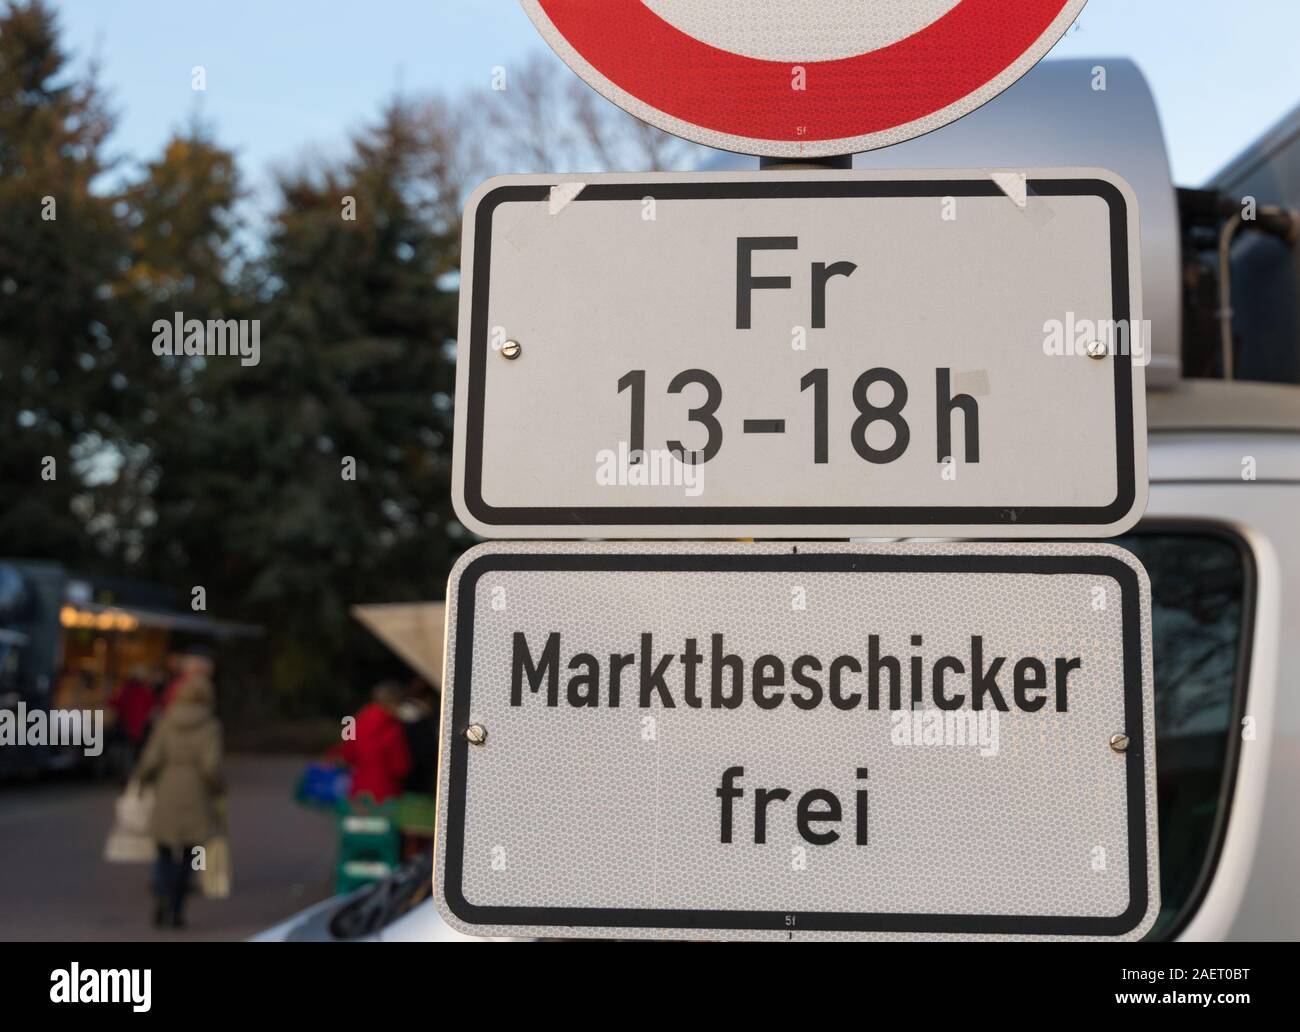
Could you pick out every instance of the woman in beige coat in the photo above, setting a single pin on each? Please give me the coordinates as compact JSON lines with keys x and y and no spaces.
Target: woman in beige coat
{"x":182,"y":759}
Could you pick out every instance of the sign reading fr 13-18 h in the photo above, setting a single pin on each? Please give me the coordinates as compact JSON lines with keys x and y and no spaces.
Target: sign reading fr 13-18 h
{"x":795,"y":354}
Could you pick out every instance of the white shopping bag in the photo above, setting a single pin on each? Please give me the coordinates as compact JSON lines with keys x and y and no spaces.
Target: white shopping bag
{"x":129,"y":841}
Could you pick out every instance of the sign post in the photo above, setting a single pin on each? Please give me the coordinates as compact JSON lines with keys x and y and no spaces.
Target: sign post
{"x":800,"y":738}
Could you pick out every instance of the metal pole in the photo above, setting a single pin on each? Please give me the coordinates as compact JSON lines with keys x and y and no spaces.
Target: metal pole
{"x":834,"y":161}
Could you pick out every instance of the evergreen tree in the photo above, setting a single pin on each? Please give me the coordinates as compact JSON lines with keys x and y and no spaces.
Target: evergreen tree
{"x":60,"y":249}
{"x":324,"y":471}
{"x":183,"y":257}
{"x":291,"y":489}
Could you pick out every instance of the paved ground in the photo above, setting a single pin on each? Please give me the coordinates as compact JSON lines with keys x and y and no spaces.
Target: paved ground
{"x":55,"y":885}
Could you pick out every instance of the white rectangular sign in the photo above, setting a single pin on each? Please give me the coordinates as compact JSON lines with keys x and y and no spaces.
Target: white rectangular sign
{"x":781,"y":354}
{"x":798,"y":741}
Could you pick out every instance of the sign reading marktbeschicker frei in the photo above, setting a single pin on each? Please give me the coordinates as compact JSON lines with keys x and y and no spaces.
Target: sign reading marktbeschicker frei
{"x":780,"y":741}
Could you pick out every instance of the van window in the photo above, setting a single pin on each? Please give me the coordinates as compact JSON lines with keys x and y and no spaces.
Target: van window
{"x":1200,"y":578}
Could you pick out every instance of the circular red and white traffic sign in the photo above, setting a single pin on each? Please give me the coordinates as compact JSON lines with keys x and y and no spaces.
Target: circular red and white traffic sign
{"x":783,"y":78}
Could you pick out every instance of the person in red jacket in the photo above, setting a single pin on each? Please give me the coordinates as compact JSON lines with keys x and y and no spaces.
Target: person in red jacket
{"x":378,"y":753}
{"x":134,"y":703}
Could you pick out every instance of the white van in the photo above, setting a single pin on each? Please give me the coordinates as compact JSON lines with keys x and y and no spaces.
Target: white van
{"x":1221,"y":537}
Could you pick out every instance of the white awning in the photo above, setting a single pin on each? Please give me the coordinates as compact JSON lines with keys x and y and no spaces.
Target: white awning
{"x":416,"y":631}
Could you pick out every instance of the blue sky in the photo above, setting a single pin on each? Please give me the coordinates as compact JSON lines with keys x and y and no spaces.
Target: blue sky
{"x":285,"y":76}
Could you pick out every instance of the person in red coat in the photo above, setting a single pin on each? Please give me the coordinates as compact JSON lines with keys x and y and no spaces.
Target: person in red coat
{"x":134,"y":704}
{"x":378,"y":753}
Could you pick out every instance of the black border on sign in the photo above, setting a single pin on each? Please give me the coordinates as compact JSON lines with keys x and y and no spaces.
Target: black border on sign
{"x":808,"y":515}
{"x":776,"y":920}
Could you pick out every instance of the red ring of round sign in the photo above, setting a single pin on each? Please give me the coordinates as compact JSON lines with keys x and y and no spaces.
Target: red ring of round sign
{"x":729,"y":73}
